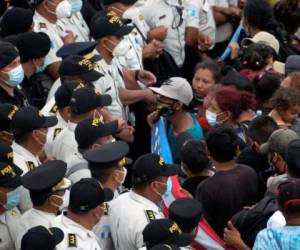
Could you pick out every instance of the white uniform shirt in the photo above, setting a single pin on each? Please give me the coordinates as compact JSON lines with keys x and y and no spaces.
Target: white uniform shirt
{"x":8,"y":228}
{"x":77,"y":168}
{"x":200,"y":15}
{"x":33,"y":218}
{"x":166,"y":14}
{"x":128,"y":216}
{"x":53,"y":89}
{"x":65,"y":145}
{"x":77,"y":25}
{"x":54,"y":31}
{"x":224,"y":31}
{"x":53,"y":132}
{"x":75,"y":235}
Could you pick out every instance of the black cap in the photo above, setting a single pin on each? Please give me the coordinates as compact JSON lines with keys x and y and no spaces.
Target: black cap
{"x":108,"y":155}
{"x":89,"y":130}
{"x":126,"y":2}
{"x":32,"y":45}
{"x":8,"y":53}
{"x":10,"y":175}
{"x":164,"y":247}
{"x":84,"y":49}
{"x":87,"y":194}
{"x":29,"y":118}
{"x":79,"y":66}
{"x":15,"y":21}
{"x":292,"y":64}
{"x":288,"y":195}
{"x":106,"y":23}
{"x":49,"y":175}
{"x":186,"y":212}
{"x":150,"y":166}
{"x":39,"y":237}
{"x":165,"y":231}
{"x":64,"y":93}
{"x":7,"y":113}
{"x":87,"y":99}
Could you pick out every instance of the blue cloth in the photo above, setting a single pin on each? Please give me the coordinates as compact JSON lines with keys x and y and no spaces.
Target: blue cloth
{"x":279,"y":238}
{"x":195,"y":131}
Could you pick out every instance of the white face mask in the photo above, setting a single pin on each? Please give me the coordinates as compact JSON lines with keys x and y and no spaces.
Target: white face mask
{"x":124,"y":175}
{"x":121,"y":49}
{"x":63,"y":10}
{"x":65,"y":200}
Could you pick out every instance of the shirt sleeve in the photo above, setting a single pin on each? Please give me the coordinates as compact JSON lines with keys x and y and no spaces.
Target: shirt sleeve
{"x":192,"y":13}
{"x":261,"y":241}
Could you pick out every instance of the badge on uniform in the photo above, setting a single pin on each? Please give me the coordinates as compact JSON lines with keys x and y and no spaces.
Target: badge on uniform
{"x":30,"y":165}
{"x":72,"y":240}
{"x":54,"y":109}
{"x":150,"y":215}
{"x":106,"y":207}
{"x":162,"y":17}
{"x":42,"y":26}
{"x":56,"y":132}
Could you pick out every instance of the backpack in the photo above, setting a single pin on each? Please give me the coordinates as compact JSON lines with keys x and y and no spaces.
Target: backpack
{"x":250,"y":221}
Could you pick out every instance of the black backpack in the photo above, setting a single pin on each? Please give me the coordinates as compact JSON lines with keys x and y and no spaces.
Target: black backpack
{"x":250,"y":221}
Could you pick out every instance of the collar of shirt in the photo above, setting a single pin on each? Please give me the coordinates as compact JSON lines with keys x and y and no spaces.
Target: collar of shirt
{"x":20,"y":150}
{"x":142,"y":200}
{"x":71,"y":126}
{"x":82,"y":232}
{"x":2,"y":218}
{"x":60,"y":121}
{"x":47,"y":216}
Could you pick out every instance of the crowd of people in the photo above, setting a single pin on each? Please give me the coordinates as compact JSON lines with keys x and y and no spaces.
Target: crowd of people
{"x":83,"y":83}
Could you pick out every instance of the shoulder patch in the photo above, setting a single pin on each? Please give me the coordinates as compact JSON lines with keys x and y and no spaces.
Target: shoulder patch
{"x":30,"y":165}
{"x":106,"y":207}
{"x":72,"y":240}
{"x":42,"y":26}
{"x":54,"y":109}
{"x":162,"y":17}
{"x":150,"y":215}
{"x":56,"y":132}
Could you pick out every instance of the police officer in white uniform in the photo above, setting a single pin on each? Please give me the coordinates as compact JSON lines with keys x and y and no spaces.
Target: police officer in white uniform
{"x":170,"y":14}
{"x":9,"y":198}
{"x":140,"y":205}
{"x":108,"y":165}
{"x":86,"y":208}
{"x":29,"y":127}
{"x":47,"y":187}
{"x":89,"y":133}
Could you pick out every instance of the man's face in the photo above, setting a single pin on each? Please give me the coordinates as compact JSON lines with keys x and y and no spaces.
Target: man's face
{"x":4,"y":71}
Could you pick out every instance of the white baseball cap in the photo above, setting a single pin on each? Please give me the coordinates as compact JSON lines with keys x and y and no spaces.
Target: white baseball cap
{"x":265,"y":38}
{"x":176,"y":88}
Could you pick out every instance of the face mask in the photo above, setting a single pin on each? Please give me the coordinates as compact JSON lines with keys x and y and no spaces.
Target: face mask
{"x":124,"y":172}
{"x":44,"y":135}
{"x":16,"y":76}
{"x":211,"y":118}
{"x":121,"y":49}
{"x":62,"y":10}
{"x":165,"y":110}
{"x":65,"y":200}
{"x":76,"y":6}
{"x":43,"y":67}
{"x":12,"y":199}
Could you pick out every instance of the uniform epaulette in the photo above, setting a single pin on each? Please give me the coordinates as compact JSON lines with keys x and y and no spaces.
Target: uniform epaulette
{"x":30,"y":165}
{"x":150,"y":215}
{"x":56,"y":132}
{"x":72,"y":240}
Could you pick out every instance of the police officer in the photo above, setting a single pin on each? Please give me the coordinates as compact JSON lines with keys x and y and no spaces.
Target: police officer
{"x":89,"y":133}
{"x":29,"y":127}
{"x":47,"y":187}
{"x":85,"y":209}
{"x":7,"y":112}
{"x":45,"y":18}
{"x":9,"y":198}
{"x":11,"y":75}
{"x":33,"y":48}
{"x":84,"y":104}
{"x":139,"y":206}
{"x":165,"y":231}
{"x":107,"y":164}
{"x":39,"y":237}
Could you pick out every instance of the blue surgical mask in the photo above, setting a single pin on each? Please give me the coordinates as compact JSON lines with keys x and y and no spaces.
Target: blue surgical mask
{"x":76,"y":6}
{"x":211,"y":118}
{"x":16,"y":76}
{"x":12,"y":199}
{"x":43,"y":67}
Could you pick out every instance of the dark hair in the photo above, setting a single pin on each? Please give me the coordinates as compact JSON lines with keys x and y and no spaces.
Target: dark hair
{"x":222,"y":143}
{"x":288,"y":196}
{"x":285,"y":98}
{"x":287,"y":13}
{"x":266,"y":86}
{"x":193,"y":154}
{"x":101,"y":174}
{"x":212,"y":66}
{"x":255,"y":56}
{"x":292,"y":160}
{"x":38,"y":198}
{"x":261,"y":128}
{"x":295,"y":80}
{"x":259,"y":14}
{"x":233,"y":78}
{"x":235,"y":101}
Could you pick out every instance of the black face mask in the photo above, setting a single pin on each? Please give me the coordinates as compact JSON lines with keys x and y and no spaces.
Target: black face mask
{"x":165,"y":110}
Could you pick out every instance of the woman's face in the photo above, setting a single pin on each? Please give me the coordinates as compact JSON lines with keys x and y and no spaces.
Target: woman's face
{"x":222,"y":115}
{"x":290,"y":115}
{"x":202,"y":81}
